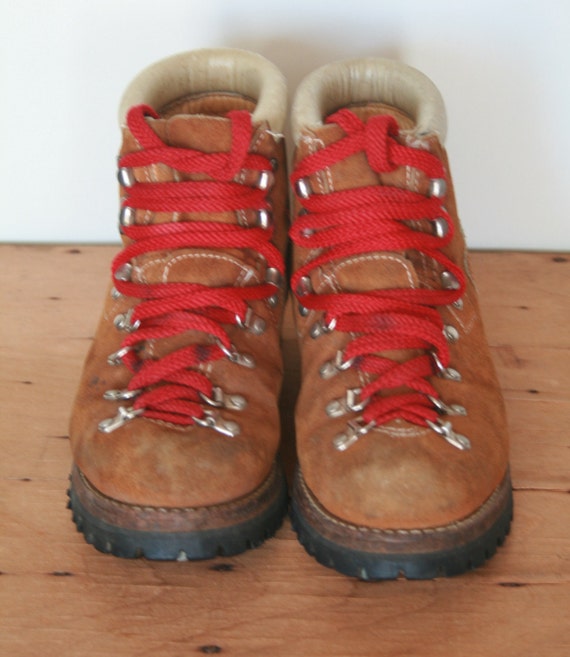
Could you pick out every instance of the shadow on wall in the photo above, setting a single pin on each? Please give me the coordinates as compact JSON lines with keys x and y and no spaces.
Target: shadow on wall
{"x":309,"y":54}
{"x":297,"y":58}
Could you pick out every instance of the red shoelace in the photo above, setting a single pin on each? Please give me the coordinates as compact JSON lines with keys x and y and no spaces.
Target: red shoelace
{"x":171,"y":388}
{"x":342,"y":224}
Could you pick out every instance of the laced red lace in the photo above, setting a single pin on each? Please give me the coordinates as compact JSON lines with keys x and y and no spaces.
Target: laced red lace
{"x":367,"y":219}
{"x":171,"y":388}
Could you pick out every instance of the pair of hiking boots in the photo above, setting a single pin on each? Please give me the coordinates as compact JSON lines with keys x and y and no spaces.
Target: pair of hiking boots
{"x":400,"y":426}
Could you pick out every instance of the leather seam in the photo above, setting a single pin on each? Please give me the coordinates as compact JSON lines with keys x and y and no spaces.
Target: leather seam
{"x":451,"y":528}
{"x":238,"y":503}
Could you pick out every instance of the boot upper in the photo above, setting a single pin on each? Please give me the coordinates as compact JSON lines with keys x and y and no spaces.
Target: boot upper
{"x":430,"y":446}
{"x":194,"y":309}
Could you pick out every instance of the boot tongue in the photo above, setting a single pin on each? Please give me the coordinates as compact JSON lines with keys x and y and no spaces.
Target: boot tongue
{"x":219,"y":267}
{"x":367,"y":271}
{"x":209,"y":134}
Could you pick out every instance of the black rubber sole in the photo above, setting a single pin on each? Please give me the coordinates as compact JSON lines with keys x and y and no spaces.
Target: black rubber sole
{"x":179,"y":545}
{"x":375,"y":566}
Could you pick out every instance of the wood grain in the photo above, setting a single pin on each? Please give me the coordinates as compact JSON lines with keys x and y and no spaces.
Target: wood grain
{"x":59,"y":597}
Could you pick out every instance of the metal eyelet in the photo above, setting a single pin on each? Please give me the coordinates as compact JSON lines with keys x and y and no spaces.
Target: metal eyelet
{"x":126,"y":176}
{"x":273,"y":277}
{"x":445,"y":430}
{"x":445,"y":372}
{"x":437,"y":187}
{"x":302,"y":310}
{"x":450,"y":333}
{"x":213,"y":420}
{"x":127,"y":216}
{"x":351,"y":403}
{"x":354,"y":431}
{"x":123,"y":416}
{"x":303,"y":188}
{"x":251,"y":322}
{"x":447,"y":409}
{"x":449,"y":281}
{"x":124,"y":273}
{"x":336,"y":408}
{"x":304,"y":286}
{"x":265,"y":180}
{"x":124,"y":321}
{"x":440,"y":227}
{"x":320,"y":328}
{"x":121,"y":395}
{"x":235,"y":357}
{"x":264,"y":219}
{"x":116,"y":358}
{"x":115,"y":294}
{"x":220,"y":399}
{"x":333,"y":367}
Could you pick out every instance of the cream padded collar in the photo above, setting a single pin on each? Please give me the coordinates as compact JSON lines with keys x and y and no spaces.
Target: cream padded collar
{"x":219,"y":69}
{"x":371,"y":79}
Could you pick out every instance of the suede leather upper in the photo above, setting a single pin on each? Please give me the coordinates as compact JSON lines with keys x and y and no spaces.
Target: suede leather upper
{"x":148,"y":462}
{"x":399,"y":475}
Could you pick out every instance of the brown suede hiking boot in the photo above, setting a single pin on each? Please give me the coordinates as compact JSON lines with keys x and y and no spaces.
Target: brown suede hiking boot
{"x":175,"y":427}
{"x":401,"y":430}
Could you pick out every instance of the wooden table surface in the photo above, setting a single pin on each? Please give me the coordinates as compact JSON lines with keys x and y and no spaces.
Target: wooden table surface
{"x":59,"y":597}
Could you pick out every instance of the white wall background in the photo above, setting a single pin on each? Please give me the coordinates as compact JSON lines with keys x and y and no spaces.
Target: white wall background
{"x":503,"y":67}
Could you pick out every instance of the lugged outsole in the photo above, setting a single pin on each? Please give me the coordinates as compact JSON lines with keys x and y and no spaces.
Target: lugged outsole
{"x":193,"y":545}
{"x":373,"y":566}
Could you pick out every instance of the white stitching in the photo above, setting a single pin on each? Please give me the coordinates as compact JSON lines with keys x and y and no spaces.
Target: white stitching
{"x":379,"y":256}
{"x":234,"y":261}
